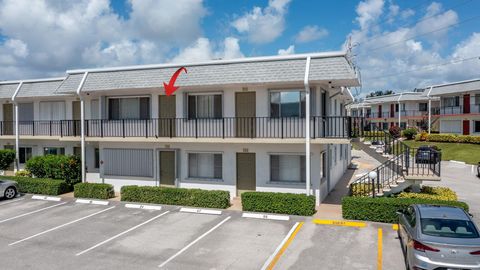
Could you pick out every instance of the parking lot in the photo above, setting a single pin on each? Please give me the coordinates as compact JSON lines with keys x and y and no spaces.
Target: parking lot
{"x":65,"y":234}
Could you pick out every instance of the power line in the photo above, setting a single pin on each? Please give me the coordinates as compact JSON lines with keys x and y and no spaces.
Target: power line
{"x":428,"y":67}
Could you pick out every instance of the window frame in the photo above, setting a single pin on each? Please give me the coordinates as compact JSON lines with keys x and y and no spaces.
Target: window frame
{"x":62,"y":150}
{"x":302,"y":104}
{"x":201,"y":178}
{"x":299,"y":181}
{"x":25,"y":155}
{"x":456,"y":102}
{"x":475,"y":126}
{"x":213,"y":94}
{"x":149,"y":116}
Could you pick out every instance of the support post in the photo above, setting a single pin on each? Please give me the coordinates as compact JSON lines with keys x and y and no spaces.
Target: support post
{"x":307,"y":127}
{"x":82,"y":125}
{"x":429,"y":115}
{"x":399,"y":114}
{"x":17,"y":135}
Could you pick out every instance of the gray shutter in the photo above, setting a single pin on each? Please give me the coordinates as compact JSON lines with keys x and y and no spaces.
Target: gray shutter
{"x":302,"y":169}
{"x":113,"y":109}
{"x":192,"y":108}
{"x":25,"y":111}
{"x":128,"y":162}
{"x":274,"y":168}
{"x":217,"y":106}
{"x":217,"y":167}
{"x":145,"y":108}
{"x":192,"y":165}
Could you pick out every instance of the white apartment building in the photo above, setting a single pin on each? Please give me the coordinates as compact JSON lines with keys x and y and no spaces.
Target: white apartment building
{"x":233,"y":125}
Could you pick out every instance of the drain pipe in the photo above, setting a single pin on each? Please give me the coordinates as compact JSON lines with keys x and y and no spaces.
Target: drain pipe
{"x":307,"y":127}
{"x":17,"y":135}
{"x":399,"y":110}
{"x":82,"y":124}
{"x":429,"y":110}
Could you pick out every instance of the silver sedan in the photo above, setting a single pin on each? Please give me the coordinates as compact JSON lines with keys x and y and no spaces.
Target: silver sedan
{"x":439,"y":237}
{"x":8,"y":189}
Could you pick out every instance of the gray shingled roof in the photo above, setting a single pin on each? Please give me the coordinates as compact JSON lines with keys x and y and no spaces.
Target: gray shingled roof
{"x":265,"y":71}
{"x":455,"y":88}
{"x":407,"y":96}
{"x":7,"y":90}
{"x":39,"y":88}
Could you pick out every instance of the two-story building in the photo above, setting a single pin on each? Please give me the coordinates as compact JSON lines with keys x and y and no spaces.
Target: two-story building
{"x":266,"y":123}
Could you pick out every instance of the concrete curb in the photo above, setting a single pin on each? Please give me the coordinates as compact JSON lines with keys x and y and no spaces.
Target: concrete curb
{"x":87,"y":201}
{"x":200,"y":211}
{"x":265,"y":216}
{"x":46,"y":198}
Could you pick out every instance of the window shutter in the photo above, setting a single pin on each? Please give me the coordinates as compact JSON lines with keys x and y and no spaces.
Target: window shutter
{"x":217,"y":106}
{"x":302,"y":169}
{"x":191,"y":107}
{"x":275,"y":104}
{"x":192,"y":164}
{"x":274,"y":168}
{"x":113,"y":109}
{"x":217,"y":167}
{"x":144,"y":108}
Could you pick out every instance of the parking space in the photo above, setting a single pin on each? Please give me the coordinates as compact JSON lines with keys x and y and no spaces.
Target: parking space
{"x":40,"y":234}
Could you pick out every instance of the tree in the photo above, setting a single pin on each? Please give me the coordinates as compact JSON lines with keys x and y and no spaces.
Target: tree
{"x":6,"y":158}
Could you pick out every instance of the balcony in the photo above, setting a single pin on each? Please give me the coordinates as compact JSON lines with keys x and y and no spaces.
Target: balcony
{"x":227,"y":127}
{"x":473,"y":108}
{"x":405,"y":113}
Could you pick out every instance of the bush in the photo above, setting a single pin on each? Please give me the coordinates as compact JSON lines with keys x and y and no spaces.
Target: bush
{"x":93,"y":190}
{"x":176,"y":196}
{"x":395,"y":131}
{"x":384,"y":209}
{"x":450,"y":138}
{"x":23,"y":173}
{"x":39,"y":185}
{"x":282,"y":203}
{"x":7,"y":156}
{"x":63,"y":167}
{"x":433,"y":193}
{"x":410,"y":133}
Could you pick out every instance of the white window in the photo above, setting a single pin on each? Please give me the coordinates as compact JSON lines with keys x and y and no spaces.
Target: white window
{"x":287,"y":104}
{"x":52,"y":110}
{"x":205,"y":165}
{"x":287,"y":168}
{"x":53,"y":151}
{"x":451,"y":101}
{"x":204,"y":106}
{"x":129,"y":108}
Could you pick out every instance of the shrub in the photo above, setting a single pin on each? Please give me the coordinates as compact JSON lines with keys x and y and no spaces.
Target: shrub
{"x":93,"y":190}
{"x":7,"y":156}
{"x":39,"y":185}
{"x":282,"y":203}
{"x":433,"y":193}
{"x":23,"y":173}
{"x":63,"y":167}
{"x":384,"y":209}
{"x":395,"y":131}
{"x":410,"y":133}
{"x":176,"y":196}
{"x":450,"y":138}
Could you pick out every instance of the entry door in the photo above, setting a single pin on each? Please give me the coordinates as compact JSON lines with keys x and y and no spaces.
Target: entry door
{"x":166,"y":114}
{"x":7,"y":119}
{"x":245,"y":112}
{"x":466,"y":127}
{"x":392,"y":110}
{"x":246,"y":172}
{"x":379,"y":111}
{"x":76,"y":116}
{"x":466,"y":103}
{"x":167,"y":168}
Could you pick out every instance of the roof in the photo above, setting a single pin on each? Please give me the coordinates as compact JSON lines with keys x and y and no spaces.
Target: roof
{"x":7,"y":89}
{"x":454,"y":87}
{"x":40,"y":88}
{"x":444,"y":212}
{"x":400,"y":97}
{"x":324,"y":67}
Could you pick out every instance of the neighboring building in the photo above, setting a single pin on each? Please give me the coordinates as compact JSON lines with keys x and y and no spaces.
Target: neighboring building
{"x":233,"y":125}
{"x":459,"y":106}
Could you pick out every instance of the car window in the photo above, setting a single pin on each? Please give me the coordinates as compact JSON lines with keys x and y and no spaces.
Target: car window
{"x":449,"y":228}
{"x":410,"y":216}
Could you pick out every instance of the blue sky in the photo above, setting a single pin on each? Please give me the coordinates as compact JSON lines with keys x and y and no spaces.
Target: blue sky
{"x":400,"y":45}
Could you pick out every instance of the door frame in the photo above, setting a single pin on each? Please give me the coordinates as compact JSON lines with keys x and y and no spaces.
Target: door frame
{"x":236,"y":171}
{"x":466,"y":127}
{"x":157,"y":165}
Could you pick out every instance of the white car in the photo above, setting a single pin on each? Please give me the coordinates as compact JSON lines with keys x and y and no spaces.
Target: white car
{"x":8,"y":189}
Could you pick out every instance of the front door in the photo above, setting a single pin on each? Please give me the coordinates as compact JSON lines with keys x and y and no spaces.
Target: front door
{"x":7,"y":119}
{"x":245,"y":112}
{"x":392,"y":110}
{"x":167,"y":168}
{"x":246,"y":172}
{"x":166,"y":114}
{"x":76,"y":116}
{"x":466,"y":103}
{"x":466,"y":127}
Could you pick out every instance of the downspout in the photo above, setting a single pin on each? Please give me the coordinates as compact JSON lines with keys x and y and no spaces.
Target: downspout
{"x":17,"y":135}
{"x":82,"y":124}
{"x":399,"y":110}
{"x":307,"y":126}
{"x":429,"y":110}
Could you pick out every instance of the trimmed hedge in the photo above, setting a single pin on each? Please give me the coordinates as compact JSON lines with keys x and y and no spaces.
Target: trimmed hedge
{"x":451,"y":138}
{"x":281,"y":203}
{"x":93,"y":190}
{"x":384,"y":209}
{"x":7,"y":156}
{"x":432,"y":193}
{"x":410,"y":133}
{"x":43,"y":186}
{"x":63,"y":167}
{"x":176,"y":196}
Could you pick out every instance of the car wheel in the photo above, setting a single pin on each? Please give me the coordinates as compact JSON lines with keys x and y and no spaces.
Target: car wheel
{"x":10,"y":193}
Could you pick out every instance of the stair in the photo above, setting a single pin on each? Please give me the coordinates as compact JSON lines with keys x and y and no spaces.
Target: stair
{"x":372,"y":150}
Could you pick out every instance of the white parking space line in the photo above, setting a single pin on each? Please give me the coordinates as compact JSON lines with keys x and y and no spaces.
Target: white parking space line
{"x":32,"y":212}
{"x":265,"y":216}
{"x":120,"y":234}
{"x":270,"y":261}
{"x":200,"y":211}
{"x":60,"y":226}
{"x":46,"y":198}
{"x":143,"y":206}
{"x":12,"y":201}
{"x":194,"y":241}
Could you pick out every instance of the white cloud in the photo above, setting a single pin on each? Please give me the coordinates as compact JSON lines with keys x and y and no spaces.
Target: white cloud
{"x":263,"y":25}
{"x":368,"y":11}
{"x":310,"y":33}
{"x":18,"y":47}
{"x":289,"y":50}
{"x":203,"y":49}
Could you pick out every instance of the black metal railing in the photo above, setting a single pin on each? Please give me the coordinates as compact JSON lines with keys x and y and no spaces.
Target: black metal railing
{"x":226,"y":127}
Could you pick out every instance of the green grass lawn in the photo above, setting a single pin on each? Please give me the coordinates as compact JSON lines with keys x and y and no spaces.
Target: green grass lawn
{"x":469,"y":153}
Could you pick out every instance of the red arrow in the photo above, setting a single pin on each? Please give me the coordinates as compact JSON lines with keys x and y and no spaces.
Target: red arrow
{"x":170,"y":87}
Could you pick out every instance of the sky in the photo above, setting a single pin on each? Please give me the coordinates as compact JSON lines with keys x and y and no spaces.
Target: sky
{"x":397,"y":45}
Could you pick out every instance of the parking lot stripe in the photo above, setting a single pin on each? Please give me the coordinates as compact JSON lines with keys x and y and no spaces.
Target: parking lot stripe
{"x":339,"y":223}
{"x":60,"y":226}
{"x":395,"y":227}
{"x":194,"y":241}
{"x":120,"y":234}
{"x":12,"y":201}
{"x":32,"y":212}
{"x":273,"y":259}
{"x":380,"y":249}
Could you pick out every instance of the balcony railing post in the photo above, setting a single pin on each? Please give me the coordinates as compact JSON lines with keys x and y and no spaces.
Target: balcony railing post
{"x":196,"y":127}
{"x":146,"y":128}
{"x":33,"y":128}
{"x":61,"y":128}
{"x":171,"y":127}
{"x":373,"y":187}
{"x":223,"y":127}
{"x":314,"y":127}
{"x":101,"y":128}
{"x":123,"y":128}
{"x":281,"y":126}
{"x":251,"y":127}
{"x":50,"y":128}
{"x":87,"y":129}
